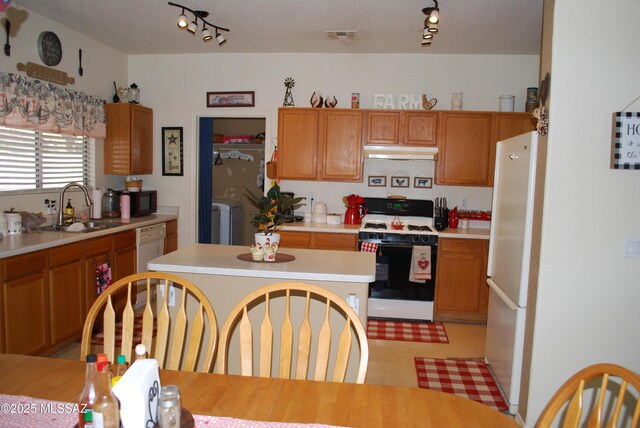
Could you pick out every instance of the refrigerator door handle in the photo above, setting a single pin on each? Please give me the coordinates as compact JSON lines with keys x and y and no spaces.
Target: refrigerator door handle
{"x":503,"y":296}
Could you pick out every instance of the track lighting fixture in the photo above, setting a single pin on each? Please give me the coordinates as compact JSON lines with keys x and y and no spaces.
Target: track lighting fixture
{"x":183,"y":23}
{"x":430,"y":23}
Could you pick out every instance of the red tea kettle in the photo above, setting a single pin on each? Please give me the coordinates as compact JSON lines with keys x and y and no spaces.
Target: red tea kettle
{"x":355,"y":209}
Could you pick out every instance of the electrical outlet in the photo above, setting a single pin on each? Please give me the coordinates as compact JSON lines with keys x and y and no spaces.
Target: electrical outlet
{"x":311,"y":201}
{"x":463,"y":203}
{"x":172,"y":295}
{"x":354,"y":302}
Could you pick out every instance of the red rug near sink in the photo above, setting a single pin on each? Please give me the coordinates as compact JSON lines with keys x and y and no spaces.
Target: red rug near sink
{"x":432,"y":332}
{"x":466,"y":378}
{"x":98,"y":337}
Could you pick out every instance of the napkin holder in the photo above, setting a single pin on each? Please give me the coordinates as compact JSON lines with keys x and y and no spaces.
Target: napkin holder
{"x":138,"y":391}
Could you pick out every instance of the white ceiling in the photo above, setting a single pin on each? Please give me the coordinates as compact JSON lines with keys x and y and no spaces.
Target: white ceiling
{"x":383,"y":26}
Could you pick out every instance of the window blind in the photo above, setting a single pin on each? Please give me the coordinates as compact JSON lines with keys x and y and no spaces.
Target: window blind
{"x":35,"y":160}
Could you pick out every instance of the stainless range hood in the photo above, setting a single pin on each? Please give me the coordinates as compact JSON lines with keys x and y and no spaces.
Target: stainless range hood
{"x":400,"y":152}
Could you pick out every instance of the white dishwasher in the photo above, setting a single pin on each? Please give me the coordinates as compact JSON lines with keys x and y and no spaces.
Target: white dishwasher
{"x":150,"y":244}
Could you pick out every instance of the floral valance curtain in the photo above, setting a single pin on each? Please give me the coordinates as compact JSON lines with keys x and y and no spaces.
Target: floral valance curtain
{"x":42,"y":106}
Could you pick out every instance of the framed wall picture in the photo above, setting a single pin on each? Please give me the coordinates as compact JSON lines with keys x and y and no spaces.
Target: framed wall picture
{"x":172,"y":162}
{"x":377,"y":181}
{"x":423,"y":182}
{"x":231,"y":99}
{"x":399,"y":181}
{"x":625,"y":144}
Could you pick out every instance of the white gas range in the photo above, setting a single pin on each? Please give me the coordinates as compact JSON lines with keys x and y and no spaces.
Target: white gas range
{"x":394,"y":227}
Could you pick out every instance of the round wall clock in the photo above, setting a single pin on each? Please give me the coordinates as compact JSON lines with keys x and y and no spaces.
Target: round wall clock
{"x":49,"y":48}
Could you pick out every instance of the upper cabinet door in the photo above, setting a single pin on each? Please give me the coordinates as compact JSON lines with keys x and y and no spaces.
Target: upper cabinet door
{"x":420,"y":128}
{"x":128,"y":147}
{"x":383,"y":127}
{"x":297,"y":143}
{"x":340,"y":145}
{"x":465,"y":149}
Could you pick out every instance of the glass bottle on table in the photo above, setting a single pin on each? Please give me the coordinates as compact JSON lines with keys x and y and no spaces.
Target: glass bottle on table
{"x":88,"y":394}
{"x":106,"y":410}
{"x":121,"y":367}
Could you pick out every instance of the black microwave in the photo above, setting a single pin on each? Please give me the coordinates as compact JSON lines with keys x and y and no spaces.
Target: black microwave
{"x":143,"y":203}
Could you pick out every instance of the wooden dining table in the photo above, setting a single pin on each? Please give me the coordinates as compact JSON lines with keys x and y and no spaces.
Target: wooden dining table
{"x":267,"y":399}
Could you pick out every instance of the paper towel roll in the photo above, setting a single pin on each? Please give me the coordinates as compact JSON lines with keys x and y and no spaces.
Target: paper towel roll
{"x":96,"y":211}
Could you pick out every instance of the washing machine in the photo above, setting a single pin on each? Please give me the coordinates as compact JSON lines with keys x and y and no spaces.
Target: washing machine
{"x":230,"y":221}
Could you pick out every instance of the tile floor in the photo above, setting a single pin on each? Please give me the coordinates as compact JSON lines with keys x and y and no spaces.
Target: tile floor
{"x":390,"y":361}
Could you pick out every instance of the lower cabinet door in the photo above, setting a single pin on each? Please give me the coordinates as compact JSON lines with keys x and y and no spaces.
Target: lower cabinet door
{"x":66,"y":299}
{"x":26,"y":315}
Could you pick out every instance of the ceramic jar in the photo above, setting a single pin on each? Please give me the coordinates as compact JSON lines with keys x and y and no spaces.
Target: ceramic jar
{"x":14,"y":222}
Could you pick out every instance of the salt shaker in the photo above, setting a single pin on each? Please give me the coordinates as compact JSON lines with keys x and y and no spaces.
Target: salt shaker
{"x":169,"y":407}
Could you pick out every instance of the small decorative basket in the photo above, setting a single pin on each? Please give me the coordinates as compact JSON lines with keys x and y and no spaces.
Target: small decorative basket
{"x":133,"y":185}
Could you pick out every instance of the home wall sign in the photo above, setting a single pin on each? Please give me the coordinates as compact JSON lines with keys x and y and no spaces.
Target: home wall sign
{"x":625,"y":144}
{"x":45,"y":73}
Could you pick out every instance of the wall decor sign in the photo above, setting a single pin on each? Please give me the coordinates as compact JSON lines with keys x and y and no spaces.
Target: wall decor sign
{"x":423,"y":182}
{"x":399,"y":181}
{"x":377,"y":181}
{"x":625,"y":144}
{"x":172,"y":162}
{"x":231,"y":99}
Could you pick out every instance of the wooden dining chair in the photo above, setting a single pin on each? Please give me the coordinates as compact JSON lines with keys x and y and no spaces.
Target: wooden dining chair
{"x":198,"y":335}
{"x":299,"y":299}
{"x":614,"y":381}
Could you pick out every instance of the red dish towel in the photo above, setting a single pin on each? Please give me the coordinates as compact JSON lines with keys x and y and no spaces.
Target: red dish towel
{"x":369,"y":247}
{"x":420,"y":269}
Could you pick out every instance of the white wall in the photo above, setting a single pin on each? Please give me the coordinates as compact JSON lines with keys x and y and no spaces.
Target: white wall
{"x":101,"y":66}
{"x":175,"y":87}
{"x":588,"y":293}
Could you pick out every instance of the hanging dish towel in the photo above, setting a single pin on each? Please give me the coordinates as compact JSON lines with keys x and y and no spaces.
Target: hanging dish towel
{"x":369,"y":247}
{"x":103,"y":277}
{"x":420,"y":269}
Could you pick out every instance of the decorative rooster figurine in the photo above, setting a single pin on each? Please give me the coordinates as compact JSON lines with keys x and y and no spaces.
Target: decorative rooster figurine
{"x":330,"y":102}
{"x":428,"y":105}
{"x":316,"y":100}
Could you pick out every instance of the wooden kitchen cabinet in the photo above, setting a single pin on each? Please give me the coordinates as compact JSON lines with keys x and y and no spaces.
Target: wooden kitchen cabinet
{"x":411,"y":128}
{"x":171,"y":240}
{"x":461,"y":290}
{"x":319,"y":240}
{"x":25,"y":303}
{"x":318,"y":144}
{"x":2,"y":351}
{"x":128,"y":146}
{"x":66,"y":292}
{"x":96,"y":252}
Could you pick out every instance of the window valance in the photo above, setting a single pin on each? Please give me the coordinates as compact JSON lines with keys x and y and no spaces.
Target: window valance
{"x":42,"y":106}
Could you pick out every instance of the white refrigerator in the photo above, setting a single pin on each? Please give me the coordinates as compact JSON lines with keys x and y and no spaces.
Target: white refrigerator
{"x":509,"y":259}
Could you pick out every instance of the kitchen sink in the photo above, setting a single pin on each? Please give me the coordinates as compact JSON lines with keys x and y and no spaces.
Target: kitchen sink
{"x":89,"y":226}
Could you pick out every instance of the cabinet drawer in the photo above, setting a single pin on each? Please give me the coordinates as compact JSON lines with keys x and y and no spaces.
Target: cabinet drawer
{"x":336,"y":241}
{"x":124,"y":239}
{"x":98,"y":246}
{"x":295,"y":239}
{"x":461,"y":245}
{"x":23,"y":265}
{"x":65,"y":254}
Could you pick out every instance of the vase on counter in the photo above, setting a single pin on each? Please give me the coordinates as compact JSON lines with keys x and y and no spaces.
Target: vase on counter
{"x":456,"y":101}
{"x":269,"y":245}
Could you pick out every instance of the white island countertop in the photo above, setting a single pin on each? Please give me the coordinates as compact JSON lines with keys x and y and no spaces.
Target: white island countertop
{"x":319,"y":265}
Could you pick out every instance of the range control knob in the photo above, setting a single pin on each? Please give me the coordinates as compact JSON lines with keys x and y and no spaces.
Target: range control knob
{"x":415,"y":238}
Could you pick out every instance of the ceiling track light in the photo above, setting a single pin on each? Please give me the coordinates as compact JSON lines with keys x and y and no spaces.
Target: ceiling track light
{"x":183,"y":23}
{"x":430,"y":23}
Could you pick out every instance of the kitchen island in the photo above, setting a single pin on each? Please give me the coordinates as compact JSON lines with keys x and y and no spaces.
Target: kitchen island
{"x":225,"y":279}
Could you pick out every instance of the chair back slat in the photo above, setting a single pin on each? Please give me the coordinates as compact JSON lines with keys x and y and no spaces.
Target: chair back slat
{"x":611,"y":395}
{"x":240,"y":319}
{"x":179,"y":335}
{"x":109,"y":329}
{"x":127,"y":326}
{"x":195,"y":353}
{"x":324,"y":345}
{"x":197,"y":330}
{"x":344,"y":349}
{"x":246,"y":344}
{"x":147,"y":320}
{"x":286,"y":340}
{"x":304,"y":342}
{"x":266,"y":341}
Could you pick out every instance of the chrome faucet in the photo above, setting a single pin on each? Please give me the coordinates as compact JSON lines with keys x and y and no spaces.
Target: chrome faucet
{"x":60,"y":222}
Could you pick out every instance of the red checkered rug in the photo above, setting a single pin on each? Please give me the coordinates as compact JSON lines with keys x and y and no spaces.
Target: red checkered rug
{"x":98,"y":337}
{"x":466,"y":378}
{"x":432,"y":332}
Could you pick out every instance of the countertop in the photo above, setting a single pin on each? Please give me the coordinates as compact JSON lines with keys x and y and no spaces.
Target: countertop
{"x":471,"y":233}
{"x":13,"y":245}
{"x":319,"y":265}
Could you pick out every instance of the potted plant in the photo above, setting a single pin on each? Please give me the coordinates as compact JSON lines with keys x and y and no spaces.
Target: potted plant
{"x":272,"y":212}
